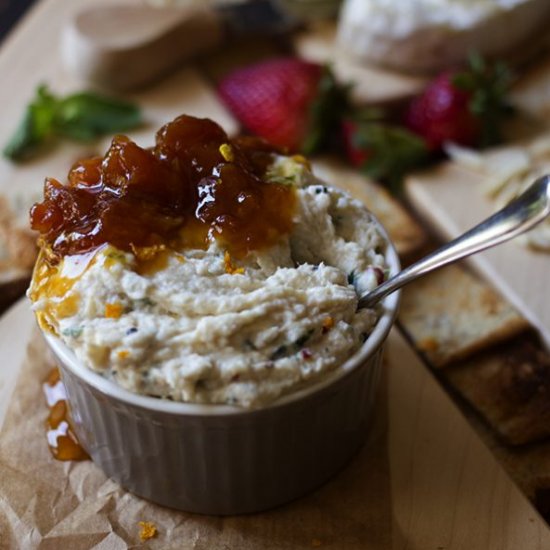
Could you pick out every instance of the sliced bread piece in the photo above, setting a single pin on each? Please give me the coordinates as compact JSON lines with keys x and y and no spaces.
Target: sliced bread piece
{"x":17,"y":254}
{"x":509,"y":385}
{"x":450,"y":314}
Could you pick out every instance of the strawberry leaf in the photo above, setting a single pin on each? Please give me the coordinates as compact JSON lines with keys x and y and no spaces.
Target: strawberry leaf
{"x":326,"y":112}
{"x":488,"y":85}
{"x":35,"y":128}
{"x":392,"y":152}
{"x":85,"y":116}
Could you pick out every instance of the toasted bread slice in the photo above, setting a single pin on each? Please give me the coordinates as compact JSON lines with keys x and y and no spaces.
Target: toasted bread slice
{"x":450,"y":314}
{"x":18,"y":243}
{"x":510,"y":386}
{"x":407,"y":235}
{"x":17,"y":254}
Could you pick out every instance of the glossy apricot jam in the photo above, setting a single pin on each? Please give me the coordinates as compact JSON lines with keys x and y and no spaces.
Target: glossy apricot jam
{"x":62,"y":440}
{"x":193,"y":186}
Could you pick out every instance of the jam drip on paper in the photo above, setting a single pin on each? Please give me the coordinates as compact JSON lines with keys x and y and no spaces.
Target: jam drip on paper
{"x":194,"y":185}
{"x":62,"y":440}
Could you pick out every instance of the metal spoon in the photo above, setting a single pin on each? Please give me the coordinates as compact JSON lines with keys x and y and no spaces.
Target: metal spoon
{"x":523,"y":213}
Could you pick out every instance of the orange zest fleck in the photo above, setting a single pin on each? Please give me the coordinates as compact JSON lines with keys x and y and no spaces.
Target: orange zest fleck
{"x":300,"y":159}
{"x":428,"y":344}
{"x":145,"y":253}
{"x":113,"y":311}
{"x":230,"y":267}
{"x":122,"y":354}
{"x":328,"y":323}
{"x":226,"y":152}
{"x":147,"y":530}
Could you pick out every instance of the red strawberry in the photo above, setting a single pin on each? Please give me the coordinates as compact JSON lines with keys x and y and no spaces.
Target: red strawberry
{"x":442,"y":114}
{"x":292,"y":103}
{"x":464,"y":107}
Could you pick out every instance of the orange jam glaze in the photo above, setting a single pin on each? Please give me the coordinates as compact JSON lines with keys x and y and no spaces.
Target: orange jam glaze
{"x":62,"y":440}
{"x":194,"y":185}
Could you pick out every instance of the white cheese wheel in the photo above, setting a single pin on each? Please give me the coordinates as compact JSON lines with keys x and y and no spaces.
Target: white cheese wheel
{"x":423,"y":36}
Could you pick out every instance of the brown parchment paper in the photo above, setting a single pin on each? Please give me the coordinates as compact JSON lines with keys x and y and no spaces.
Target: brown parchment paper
{"x":47,"y":504}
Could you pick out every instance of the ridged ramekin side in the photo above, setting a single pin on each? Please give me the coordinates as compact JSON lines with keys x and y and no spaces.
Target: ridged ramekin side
{"x":226,"y":464}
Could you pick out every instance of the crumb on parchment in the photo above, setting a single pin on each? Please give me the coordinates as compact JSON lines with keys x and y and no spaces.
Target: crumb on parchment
{"x":328,"y":323}
{"x":147,"y":530}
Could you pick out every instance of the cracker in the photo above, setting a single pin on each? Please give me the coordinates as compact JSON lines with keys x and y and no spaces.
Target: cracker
{"x":509,"y":385}
{"x":18,"y":243}
{"x":407,"y":235}
{"x":450,"y":314}
{"x":17,"y":255}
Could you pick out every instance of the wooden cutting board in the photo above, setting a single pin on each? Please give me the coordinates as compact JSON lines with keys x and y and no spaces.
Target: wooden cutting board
{"x":443,"y":479}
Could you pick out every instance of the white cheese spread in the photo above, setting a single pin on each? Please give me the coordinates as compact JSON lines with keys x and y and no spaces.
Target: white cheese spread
{"x":208,"y":328}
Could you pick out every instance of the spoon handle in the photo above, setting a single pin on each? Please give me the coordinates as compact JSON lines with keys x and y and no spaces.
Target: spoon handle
{"x":523,"y":213}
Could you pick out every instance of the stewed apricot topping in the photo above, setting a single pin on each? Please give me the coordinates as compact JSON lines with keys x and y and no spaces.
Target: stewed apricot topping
{"x":194,"y":185}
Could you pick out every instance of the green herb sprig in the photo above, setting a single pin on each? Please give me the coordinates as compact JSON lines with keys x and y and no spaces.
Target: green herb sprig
{"x":83,"y":116}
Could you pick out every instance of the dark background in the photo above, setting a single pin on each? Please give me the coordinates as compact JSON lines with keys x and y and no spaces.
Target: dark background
{"x":10,"y":12}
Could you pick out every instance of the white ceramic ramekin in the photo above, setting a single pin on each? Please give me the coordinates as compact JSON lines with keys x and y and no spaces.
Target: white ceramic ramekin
{"x":215,"y":459}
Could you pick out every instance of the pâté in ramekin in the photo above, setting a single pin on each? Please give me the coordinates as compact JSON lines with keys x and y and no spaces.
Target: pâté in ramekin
{"x":201,"y":298}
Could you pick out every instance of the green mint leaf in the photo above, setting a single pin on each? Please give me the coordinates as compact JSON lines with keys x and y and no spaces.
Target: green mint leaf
{"x":35,"y":128}
{"x":24,"y":140}
{"x":85,"y":116}
{"x":82,"y":116}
